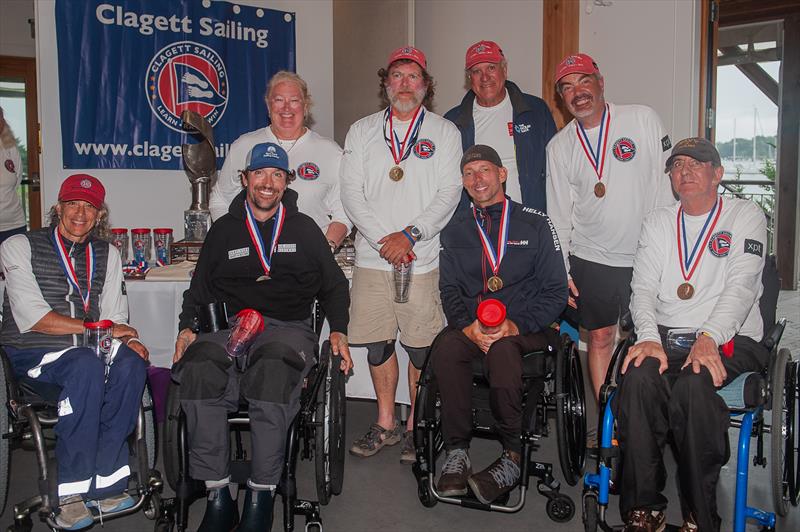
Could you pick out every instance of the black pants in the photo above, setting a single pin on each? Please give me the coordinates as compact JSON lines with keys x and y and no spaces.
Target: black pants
{"x":452,"y":358}
{"x":649,"y":407}
{"x":211,"y":388}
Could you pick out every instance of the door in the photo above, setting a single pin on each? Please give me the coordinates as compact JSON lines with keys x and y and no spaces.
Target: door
{"x":18,"y":99}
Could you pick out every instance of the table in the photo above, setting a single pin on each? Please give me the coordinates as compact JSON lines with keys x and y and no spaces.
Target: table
{"x":154,"y":307}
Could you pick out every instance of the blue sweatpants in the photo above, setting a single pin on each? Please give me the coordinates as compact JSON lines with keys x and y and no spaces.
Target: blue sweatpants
{"x":95,"y":416}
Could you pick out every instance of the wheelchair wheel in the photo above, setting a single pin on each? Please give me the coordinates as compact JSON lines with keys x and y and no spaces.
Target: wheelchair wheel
{"x":169,"y":437}
{"x":5,"y":442}
{"x":329,"y":422}
{"x":591,"y":512}
{"x":560,"y":509}
{"x":782,"y":439}
{"x":570,"y":412}
{"x":796,"y":432}
{"x":149,"y":432}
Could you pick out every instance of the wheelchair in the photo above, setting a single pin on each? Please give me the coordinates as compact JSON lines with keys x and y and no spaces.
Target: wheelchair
{"x":317,"y":432}
{"x":552,"y":384}
{"x":29,"y":408}
{"x":775,"y":389}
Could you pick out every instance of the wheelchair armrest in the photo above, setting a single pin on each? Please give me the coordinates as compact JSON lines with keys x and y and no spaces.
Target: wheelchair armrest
{"x":774,"y":334}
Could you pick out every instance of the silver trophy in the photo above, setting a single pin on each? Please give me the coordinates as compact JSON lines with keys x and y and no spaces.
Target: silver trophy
{"x":200,"y":163}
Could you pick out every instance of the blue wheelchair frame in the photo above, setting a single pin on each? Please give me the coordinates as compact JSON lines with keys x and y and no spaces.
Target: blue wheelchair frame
{"x":599,"y":484}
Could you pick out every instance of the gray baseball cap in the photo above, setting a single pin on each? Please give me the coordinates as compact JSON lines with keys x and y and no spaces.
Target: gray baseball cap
{"x":697,"y":148}
{"x":480,"y":152}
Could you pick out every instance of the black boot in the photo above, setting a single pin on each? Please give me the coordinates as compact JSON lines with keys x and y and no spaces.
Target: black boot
{"x":222,"y":512}
{"x":257,"y":512}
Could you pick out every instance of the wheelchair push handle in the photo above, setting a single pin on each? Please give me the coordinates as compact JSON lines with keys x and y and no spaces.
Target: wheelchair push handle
{"x":491,"y":313}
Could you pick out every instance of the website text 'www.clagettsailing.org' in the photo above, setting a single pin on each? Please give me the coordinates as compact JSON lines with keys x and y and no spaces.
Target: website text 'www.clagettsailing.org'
{"x":145,"y":149}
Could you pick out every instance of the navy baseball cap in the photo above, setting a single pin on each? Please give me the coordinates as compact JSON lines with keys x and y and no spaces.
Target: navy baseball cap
{"x":267,"y":155}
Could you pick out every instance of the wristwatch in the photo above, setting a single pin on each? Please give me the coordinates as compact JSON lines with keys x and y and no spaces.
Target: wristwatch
{"x":415,"y":232}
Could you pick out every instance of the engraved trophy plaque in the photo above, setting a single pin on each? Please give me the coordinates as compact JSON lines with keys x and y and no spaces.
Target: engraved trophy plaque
{"x":200,"y":164}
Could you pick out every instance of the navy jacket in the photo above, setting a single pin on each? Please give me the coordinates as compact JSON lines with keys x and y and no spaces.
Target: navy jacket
{"x":533,"y":129}
{"x":534,"y":280}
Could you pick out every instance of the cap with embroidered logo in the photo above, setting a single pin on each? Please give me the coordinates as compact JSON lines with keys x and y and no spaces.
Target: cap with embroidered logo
{"x":411,"y":53}
{"x":267,"y":155}
{"x":83,"y":187}
{"x":697,"y":148}
{"x":576,"y":64}
{"x":483,"y":52}
{"x":480,"y":152}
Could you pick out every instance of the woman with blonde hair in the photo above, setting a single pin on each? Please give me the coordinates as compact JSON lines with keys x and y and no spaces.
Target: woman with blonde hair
{"x":12,"y":217}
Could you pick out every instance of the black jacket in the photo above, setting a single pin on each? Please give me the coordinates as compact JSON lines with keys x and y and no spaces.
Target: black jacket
{"x":533,"y":129}
{"x":534,"y":281}
{"x":303,"y":268}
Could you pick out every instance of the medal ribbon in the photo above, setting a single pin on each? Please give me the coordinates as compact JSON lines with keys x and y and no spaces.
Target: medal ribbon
{"x":258,"y":242}
{"x":688,"y":261}
{"x":495,"y":258}
{"x":597,"y":158}
{"x":69,"y":270}
{"x":401,"y":150}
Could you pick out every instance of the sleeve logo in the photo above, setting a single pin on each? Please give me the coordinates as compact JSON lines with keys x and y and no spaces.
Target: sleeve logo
{"x":754,"y":247}
{"x":665,"y":143}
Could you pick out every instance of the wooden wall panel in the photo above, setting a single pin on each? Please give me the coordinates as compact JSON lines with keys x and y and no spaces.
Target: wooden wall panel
{"x":559,"y":39}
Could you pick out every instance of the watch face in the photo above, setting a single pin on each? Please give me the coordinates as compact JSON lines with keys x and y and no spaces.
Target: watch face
{"x":415,"y":232}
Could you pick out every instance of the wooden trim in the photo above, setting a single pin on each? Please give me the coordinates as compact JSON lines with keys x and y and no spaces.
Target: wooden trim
{"x":24,"y":68}
{"x":788,"y":159}
{"x":709,"y":31}
{"x":735,"y":12}
{"x":559,"y":39}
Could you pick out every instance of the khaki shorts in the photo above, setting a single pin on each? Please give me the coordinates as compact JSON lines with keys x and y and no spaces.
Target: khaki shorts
{"x":375,"y":317}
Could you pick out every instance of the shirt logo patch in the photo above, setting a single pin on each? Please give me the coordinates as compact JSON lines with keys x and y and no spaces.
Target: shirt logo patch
{"x":624,"y":149}
{"x":754,"y":247}
{"x":9,"y":164}
{"x":720,"y":244}
{"x":516,"y":242}
{"x":64,"y":407}
{"x":287,"y":248}
{"x":522,"y":128}
{"x":511,"y":129}
{"x":308,"y":171}
{"x":237,"y":253}
{"x":424,"y":148}
{"x":665,"y":143}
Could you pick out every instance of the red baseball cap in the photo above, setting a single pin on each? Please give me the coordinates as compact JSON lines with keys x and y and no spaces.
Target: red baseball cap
{"x":576,"y":64}
{"x":409,"y":52}
{"x":483,"y":52}
{"x":83,"y":187}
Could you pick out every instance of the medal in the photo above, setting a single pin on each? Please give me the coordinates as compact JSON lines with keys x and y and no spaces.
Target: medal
{"x":494,"y":283}
{"x":596,"y":156}
{"x":69,"y":270}
{"x":685,"y":291}
{"x":401,"y":150}
{"x":689,"y":261}
{"x":396,"y":173}
{"x":264,"y":256}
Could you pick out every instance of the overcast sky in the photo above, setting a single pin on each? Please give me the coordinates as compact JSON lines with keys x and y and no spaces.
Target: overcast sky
{"x":736,"y":98}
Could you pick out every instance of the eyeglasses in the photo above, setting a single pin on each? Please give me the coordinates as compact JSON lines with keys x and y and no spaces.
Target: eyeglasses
{"x":691,"y":164}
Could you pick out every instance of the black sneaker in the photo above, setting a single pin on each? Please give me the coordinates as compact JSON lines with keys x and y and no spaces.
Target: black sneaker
{"x":496,"y":480}
{"x":455,"y":472}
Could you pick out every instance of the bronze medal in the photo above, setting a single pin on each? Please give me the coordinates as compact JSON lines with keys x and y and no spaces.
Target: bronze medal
{"x":396,"y":173}
{"x":599,"y":190}
{"x":494,"y":283}
{"x":685,"y":291}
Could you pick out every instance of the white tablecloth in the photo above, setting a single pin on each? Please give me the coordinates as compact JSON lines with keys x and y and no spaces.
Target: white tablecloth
{"x":154,"y":308}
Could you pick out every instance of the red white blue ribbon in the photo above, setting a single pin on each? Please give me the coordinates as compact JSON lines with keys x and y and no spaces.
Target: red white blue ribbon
{"x":494,"y":257}
{"x":597,"y":157}
{"x":264,"y":254}
{"x":69,"y":270}
{"x":401,"y":150}
{"x":689,"y":261}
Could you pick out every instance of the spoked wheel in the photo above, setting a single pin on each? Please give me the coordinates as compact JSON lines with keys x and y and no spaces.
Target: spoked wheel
{"x":796,"y":433}
{"x":560,"y":509}
{"x":169,"y":436}
{"x":329,"y":422}
{"x":151,"y":449}
{"x":427,"y":435}
{"x":570,"y":412}
{"x":5,"y":449}
{"x":783,"y":391}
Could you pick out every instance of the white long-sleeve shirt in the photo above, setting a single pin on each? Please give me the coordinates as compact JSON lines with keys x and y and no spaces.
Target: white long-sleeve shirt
{"x":727,"y":281}
{"x":315,"y":160}
{"x":605,"y":230}
{"x":11,"y":214}
{"x":426,"y":196}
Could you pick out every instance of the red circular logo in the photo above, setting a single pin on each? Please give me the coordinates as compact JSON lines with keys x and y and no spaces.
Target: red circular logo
{"x":308,"y":171}
{"x":720,"y":244}
{"x":9,"y":164}
{"x":424,"y":148}
{"x":624,"y":149}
